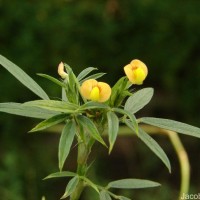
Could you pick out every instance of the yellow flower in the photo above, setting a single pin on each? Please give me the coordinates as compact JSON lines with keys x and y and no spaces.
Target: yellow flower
{"x":136,"y":71}
{"x":95,"y":91}
{"x":61,"y":71}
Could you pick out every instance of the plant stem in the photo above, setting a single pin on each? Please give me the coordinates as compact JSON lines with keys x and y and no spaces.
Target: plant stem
{"x":184,"y":162}
{"x":79,"y":188}
{"x":178,"y":146}
{"x":83,"y":153}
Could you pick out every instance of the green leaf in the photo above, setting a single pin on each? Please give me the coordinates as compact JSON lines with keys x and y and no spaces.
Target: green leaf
{"x":85,"y":72}
{"x":155,"y":147}
{"x":71,"y":186}
{"x":64,"y":95}
{"x":26,"y":111}
{"x":172,"y":125}
{"x":26,"y":80}
{"x":104,"y":195}
{"x":59,"y":106}
{"x":71,"y":76}
{"x":130,"y":116}
{"x":152,"y":144}
{"x":65,"y":143}
{"x":123,"y":198}
{"x":49,"y":122}
{"x":132,"y":184}
{"x":60,"y":175}
{"x":138,"y":100}
{"x":94,"y":76}
{"x":113,"y":128}
{"x":119,"y":86}
{"x":93,"y":105}
{"x":90,"y":183}
{"x":119,"y":92}
{"x":90,"y":126}
{"x":54,"y":80}
{"x":73,"y":85}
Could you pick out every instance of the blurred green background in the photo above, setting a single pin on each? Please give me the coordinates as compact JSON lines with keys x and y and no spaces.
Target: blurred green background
{"x":107,"y":34}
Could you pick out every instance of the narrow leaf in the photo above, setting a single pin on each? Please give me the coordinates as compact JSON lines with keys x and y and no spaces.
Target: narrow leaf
{"x":90,"y":126}
{"x":71,"y":186}
{"x":59,"y":106}
{"x":94,"y":76}
{"x":104,"y":195}
{"x":132,"y":184}
{"x":152,"y":144}
{"x":172,"y":125}
{"x":65,"y":143}
{"x":93,"y":105}
{"x":90,"y":183}
{"x":73,"y":85}
{"x":26,"y":111}
{"x":24,"y":78}
{"x":123,"y":198}
{"x":130,"y":116}
{"x":71,"y":76}
{"x":64,"y":95}
{"x":49,"y":122}
{"x":52,"y":79}
{"x":155,"y":147}
{"x":119,"y":92}
{"x":138,"y":100}
{"x":60,"y":175}
{"x":113,"y":128}
{"x":85,"y":72}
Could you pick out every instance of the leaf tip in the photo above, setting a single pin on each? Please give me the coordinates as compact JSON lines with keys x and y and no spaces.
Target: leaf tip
{"x":170,"y":171}
{"x":45,"y":178}
{"x":60,"y":168}
{"x":110,"y":149}
{"x":32,"y":130}
{"x":63,"y":197}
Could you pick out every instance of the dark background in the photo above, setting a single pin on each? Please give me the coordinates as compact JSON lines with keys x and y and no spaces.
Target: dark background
{"x":107,"y":34}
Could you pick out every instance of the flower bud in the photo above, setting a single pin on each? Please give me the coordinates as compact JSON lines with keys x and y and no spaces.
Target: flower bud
{"x":136,"y":71}
{"x":61,"y":71}
{"x":95,"y":91}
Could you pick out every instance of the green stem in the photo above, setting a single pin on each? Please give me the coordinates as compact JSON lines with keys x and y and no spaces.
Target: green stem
{"x":183,"y":160}
{"x":83,"y":153}
{"x":77,"y":193}
{"x":178,"y":146}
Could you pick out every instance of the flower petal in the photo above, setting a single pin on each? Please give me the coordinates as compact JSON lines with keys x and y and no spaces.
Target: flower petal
{"x":129,"y":72}
{"x":139,"y":76}
{"x":139,"y":64}
{"x":105,"y":91}
{"x":61,"y":71}
{"x":94,"y":95}
{"x":136,"y":71}
{"x":87,"y":87}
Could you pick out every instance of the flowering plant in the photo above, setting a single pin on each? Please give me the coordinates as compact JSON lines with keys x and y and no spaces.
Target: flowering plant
{"x":89,"y":109}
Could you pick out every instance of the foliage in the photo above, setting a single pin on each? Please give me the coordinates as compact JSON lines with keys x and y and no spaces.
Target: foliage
{"x":88,"y":33}
{"x":85,"y":122}
{"x":37,"y":35}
